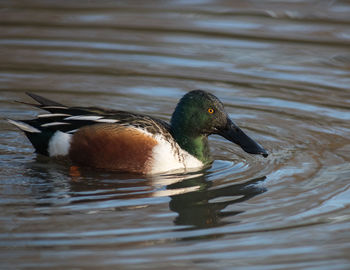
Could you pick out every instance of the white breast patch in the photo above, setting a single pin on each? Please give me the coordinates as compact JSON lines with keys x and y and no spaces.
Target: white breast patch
{"x":166,"y":158}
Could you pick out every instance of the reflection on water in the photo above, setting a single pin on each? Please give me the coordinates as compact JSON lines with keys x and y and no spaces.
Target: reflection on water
{"x":197,"y":203}
{"x":281,"y":68}
{"x":203,"y":208}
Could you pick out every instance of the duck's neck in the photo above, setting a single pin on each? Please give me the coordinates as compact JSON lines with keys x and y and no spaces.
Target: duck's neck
{"x":197,"y":146}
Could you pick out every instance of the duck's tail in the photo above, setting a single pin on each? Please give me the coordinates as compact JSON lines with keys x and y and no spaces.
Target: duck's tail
{"x":41,"y":100}
{"x":39,"y":138}
{"x":36,"y":131}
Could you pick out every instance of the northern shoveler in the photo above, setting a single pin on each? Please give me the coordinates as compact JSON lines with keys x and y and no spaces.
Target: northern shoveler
{"x":125,"y":141}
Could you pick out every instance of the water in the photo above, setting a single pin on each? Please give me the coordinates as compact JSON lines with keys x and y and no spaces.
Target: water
{"x":282,"y":69}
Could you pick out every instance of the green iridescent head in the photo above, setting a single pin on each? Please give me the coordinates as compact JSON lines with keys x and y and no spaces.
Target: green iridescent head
{"x":200,"y":114}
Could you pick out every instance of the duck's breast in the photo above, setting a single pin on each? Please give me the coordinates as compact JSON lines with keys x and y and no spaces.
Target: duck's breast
{"x":168,"y":156}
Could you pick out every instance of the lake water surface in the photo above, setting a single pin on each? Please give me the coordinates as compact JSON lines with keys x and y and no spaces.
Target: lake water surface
{"x":282,"y":69}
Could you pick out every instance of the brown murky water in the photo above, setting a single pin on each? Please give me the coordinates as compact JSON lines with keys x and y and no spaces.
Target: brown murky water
{"x":282,"y":68}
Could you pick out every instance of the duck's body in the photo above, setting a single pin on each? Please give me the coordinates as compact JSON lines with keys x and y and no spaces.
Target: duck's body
{"x":124,"y":141}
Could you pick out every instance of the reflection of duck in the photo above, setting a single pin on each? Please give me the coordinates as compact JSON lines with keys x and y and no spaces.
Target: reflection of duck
{"x":202,"y":208}
{"x":197,"y":202}
{"x":124,"y":141}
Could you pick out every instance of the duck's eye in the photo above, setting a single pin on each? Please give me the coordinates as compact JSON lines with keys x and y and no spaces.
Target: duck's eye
{"x":210,"y":110}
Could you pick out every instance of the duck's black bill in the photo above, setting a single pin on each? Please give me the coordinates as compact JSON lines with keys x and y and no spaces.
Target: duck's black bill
{"x":234,"y":134}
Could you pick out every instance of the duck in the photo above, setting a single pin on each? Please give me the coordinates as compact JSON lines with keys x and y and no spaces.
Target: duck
{"x":131,"y":142}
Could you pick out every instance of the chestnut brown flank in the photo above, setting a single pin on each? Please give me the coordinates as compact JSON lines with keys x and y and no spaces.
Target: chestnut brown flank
{"x":113,"y":147}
